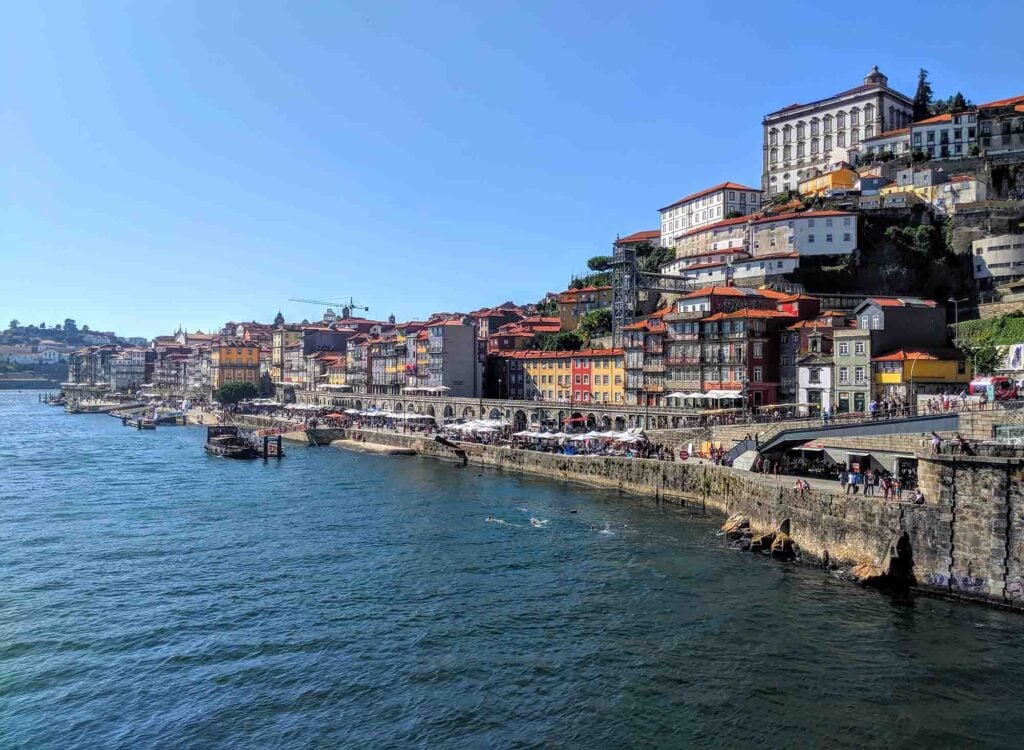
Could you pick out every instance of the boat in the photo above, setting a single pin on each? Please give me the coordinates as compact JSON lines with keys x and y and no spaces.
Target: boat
{"x":146,"y":423}
{"x":226,"y":442}
{"x":170,"y":416}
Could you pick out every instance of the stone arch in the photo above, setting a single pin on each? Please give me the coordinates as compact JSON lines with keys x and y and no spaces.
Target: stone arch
{"x":519,"y":420}
{"x":534,"y":418}
{"x":359,"y":404}
{"x":494,"y":413}
{"x":591,"y":421}
{"x":449,"y":412}
{"x":620,"y":423}
{"x":469,"y":413}
{"x":430,"y":411}
{"x":606,"y":422}
{"x":400,"y":408}
{"x":412,"y":408}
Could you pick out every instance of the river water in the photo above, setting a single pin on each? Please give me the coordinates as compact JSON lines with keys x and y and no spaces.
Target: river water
{"x":154,"y":597}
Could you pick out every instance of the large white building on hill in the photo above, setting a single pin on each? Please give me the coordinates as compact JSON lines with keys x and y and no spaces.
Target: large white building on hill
{"x":802,"y":140}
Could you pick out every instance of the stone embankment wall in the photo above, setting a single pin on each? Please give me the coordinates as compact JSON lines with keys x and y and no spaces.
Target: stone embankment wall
{"x":977,"y":548}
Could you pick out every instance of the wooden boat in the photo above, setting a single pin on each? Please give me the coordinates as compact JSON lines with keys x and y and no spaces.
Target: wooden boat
{"x":226,"y":442}
{"x":146,"y":423}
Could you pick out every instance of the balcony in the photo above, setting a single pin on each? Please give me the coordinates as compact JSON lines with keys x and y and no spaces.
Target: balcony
{"x":654,"y":367}
{"x":691,"y":315}
{"x":685,"y":360}
{"x":683,"y":385}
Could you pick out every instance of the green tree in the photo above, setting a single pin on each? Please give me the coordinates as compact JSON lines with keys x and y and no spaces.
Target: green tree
{"x":733,"y":215}
{"x":599,"y":263}
{"x":85,"y":329}
{"x":13,"y":324}
{"x":563,"y":341}
{"x":984,"y":357}
{"x":235,"y":391}
{"x":923,"y":96}
{"x":656,"y":258}
{"x":596,"y":323}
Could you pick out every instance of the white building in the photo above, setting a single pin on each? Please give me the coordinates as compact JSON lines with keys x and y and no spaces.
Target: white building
{"x":706,"y":207}
{"x":801,"y":140}
{"x":999,"y":259}
{"x":738,"y":267}
{"x":948,"y":136}
{"x":807,"y":233}
{"x":894,"y":142}
{"x":814,"y":380}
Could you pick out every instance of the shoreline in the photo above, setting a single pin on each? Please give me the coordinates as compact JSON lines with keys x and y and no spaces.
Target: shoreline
{"x":832,"y":530}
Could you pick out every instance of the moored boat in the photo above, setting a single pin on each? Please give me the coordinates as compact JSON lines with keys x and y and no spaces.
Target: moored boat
{"x":226,"y":442}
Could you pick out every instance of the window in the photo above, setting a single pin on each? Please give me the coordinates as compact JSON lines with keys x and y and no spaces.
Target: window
{"x":810,"y":239}
{"x":844,"y":349}
{"x":858,"y":374}
{"x":773,"y":137}
{"x":828,"y":238}
{"x":758,"y":374}
{"x":841,"y":140}
{"x":846,"y":236}
{"x":844,"y":375}
{"x":814,"y":375}
{"x":758,"y":349}
{"x":858,"y":348}
{"x":874,"y":322}
{"x":578,"y":380}
{"x":828,"y":142}
{"x":586,"y":380}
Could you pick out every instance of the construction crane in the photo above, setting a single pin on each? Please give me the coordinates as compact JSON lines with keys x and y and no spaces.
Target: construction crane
{"x":346,"y":307}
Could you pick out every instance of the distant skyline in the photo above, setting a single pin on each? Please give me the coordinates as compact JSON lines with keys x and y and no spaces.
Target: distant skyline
{"x":193,"y":163}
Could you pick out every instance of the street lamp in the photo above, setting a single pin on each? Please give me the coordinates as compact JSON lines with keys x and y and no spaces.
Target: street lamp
{"x":956,"y":318}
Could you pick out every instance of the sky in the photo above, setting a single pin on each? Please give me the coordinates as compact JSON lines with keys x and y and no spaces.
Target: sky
{"x":192,"y":163}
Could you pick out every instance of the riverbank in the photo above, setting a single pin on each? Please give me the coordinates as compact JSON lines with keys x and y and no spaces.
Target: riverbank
{"x":977,"y":502}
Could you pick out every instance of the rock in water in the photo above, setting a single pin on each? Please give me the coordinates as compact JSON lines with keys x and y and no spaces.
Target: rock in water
{"x":783,"y":548}
{"x":736,"y":526}
{"x":762,"y":543}
{"x":868,"y":574}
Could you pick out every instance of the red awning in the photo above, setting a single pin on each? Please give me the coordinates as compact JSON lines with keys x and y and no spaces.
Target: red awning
{"x":574,"y":419}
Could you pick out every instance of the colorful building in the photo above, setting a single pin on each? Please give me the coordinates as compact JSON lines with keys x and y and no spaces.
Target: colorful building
{"x":234,"y":361}
{"x":908,"y":372}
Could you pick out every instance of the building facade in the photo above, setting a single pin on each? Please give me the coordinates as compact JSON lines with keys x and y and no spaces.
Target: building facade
{"x":998,"y":259}
{"x":801,"y":140}
{"x":706,"y":207}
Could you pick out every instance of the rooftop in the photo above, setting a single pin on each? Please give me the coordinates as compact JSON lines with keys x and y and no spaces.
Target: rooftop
{"x":645,"y":236}
{"x":708,"y":191}
{"x":908,"y":355}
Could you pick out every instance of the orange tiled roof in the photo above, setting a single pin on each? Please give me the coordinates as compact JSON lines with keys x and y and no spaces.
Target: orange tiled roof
{"x":1019,"y":99}
{"x":645,"y":236}
{"x":904,"y":355}
{"x":933,"y":120}
{"x":803,"y":215}
{"x":709,"y":191}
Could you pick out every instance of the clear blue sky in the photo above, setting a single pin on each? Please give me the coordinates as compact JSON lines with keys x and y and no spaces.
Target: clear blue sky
{"x":197,"y":162}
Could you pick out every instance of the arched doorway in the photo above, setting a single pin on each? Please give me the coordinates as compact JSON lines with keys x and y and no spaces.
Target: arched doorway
{"x":449,"y":413}
{"x":494,"y":414}
{"x":620,"y":423}
{"x":606,"y":422}
{"x":359,"y":404}
{"x":591,"y":421}
{"x":469,"y":413}
{"x":519,"y":420}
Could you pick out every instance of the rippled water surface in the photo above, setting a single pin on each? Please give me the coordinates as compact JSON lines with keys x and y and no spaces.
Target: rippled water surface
{"x":153,"y":597}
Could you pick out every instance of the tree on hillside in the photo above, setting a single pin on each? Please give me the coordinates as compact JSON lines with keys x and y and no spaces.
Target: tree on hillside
{"x":599,"y":263}
{"x":596,"y":323}
{"x":13,"y":324}
{"x":235,"y":391}
{"x":69,"y":325}
{"x":984,"y":357}
{"x":564,"y":341}
{"x":85,"y":329}
{"x":656,"y":258}
{"x":922,"y":97}
{"x":956,"y":103}
{"x":733,"y":215}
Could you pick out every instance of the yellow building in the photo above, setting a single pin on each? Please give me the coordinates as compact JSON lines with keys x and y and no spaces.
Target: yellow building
{"x":589,"y":376}
{"x":907,"y":372}
{"x":843,"y":178}
{"x":234,"y":361}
